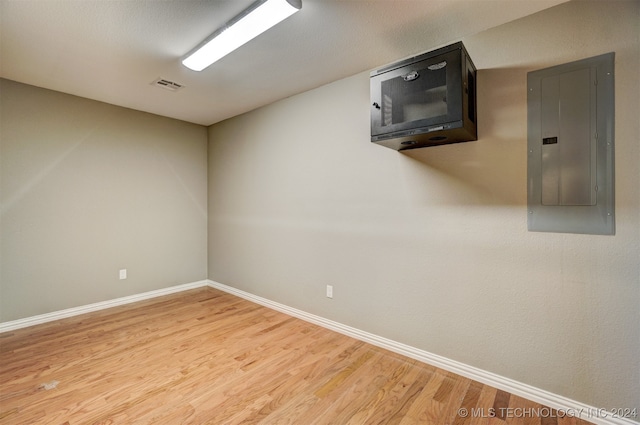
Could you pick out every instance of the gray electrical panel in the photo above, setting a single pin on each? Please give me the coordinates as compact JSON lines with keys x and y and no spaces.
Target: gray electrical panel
{"x":570,"y":166}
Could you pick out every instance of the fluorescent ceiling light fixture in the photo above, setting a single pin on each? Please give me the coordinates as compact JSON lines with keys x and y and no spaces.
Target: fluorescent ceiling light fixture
{"x":259,"y":17}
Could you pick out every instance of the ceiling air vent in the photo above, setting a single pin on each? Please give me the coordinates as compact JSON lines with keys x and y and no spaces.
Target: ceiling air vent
{"x":167,"y":84}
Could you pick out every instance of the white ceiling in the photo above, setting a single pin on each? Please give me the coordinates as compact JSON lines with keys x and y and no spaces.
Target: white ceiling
{"x":111,"y":50}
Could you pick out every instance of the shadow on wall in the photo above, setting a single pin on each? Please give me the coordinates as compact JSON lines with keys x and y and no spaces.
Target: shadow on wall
{"x":489,"y":171}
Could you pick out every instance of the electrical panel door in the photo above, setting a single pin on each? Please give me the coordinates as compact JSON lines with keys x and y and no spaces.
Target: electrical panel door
{"x":570,"y":147}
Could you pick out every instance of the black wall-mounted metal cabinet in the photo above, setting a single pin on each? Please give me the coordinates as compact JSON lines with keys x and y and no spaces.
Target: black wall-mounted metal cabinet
{"x":426,"y":100}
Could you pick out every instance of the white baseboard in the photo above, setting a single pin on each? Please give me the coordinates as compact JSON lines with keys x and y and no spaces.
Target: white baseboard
{"x":570,"y":407}
{"x":75,"y":311}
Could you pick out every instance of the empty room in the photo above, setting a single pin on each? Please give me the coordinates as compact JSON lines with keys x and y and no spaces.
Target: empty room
{"x":363,"y":212}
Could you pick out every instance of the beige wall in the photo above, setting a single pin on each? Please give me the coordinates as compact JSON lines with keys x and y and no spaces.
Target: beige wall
{"x":89,"y":188}
{"x":431,"y":248}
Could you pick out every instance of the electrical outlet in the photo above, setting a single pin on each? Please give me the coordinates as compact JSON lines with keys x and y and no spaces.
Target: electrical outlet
{"x":329,"y":291}
{"x":123,"y":274}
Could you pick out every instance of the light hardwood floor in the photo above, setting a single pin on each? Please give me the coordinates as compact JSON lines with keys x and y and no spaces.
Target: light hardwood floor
{"x":207,"y":357}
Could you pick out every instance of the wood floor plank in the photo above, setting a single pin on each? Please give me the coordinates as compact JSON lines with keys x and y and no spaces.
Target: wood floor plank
{"x":208,"y":357}
{"x":501,"y":404}
{"x":356,"y":388}
{"x":393,"y":400}
{"x":483,"y":413}
{"x":425,"y":409}
{"x":453,"y":402}
{"x":295,"y":406}
{"x":354,"y":405}
{"x":469,"y":403}
{"x":523,"y":412}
